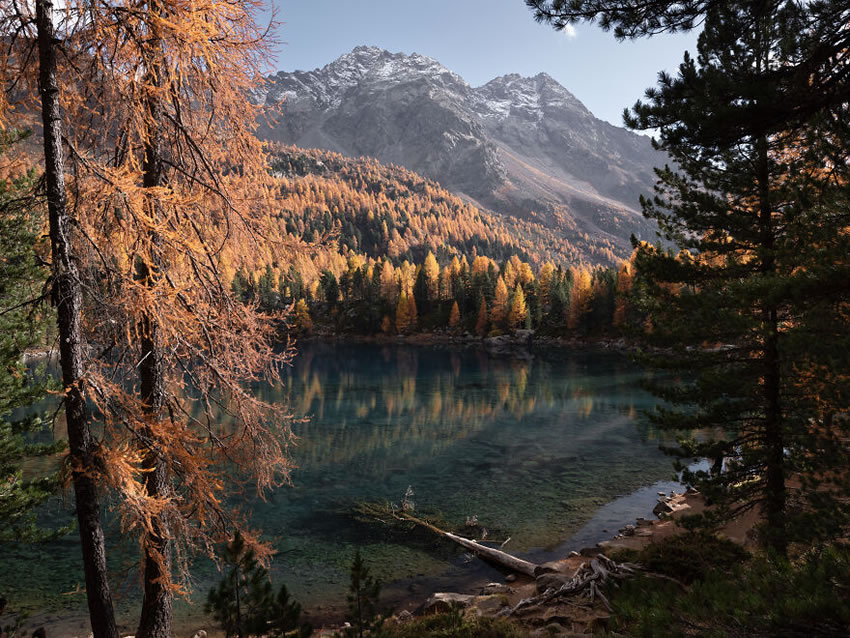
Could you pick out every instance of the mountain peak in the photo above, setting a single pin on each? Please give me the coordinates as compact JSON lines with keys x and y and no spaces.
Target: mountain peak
{"x":528,"y":97}
{"x":366,"y":48}
{"x":521,"y":145}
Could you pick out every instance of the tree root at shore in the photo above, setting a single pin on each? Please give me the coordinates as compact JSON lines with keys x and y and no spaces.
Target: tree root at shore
{"x":587,"y":583}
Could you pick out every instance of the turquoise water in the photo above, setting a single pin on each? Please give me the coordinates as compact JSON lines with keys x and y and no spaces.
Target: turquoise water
{"x":531,"y":447}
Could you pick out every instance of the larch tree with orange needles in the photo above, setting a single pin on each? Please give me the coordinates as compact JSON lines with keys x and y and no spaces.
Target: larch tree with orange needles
{"x":166,"y":177}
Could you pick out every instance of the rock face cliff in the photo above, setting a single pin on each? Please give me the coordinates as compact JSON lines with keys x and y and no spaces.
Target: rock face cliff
{"x":524,"y":147}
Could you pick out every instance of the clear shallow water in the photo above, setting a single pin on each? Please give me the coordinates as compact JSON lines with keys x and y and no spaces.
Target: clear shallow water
{"x":533,"y":448}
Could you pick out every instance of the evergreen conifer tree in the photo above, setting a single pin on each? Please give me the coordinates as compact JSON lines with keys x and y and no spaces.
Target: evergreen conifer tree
{"x":749,"y":202}
{"x":22,"y":279}
{"x":757,"y":126}
{"x":244,"y":603}
{"x":421,"y":293}
{"x":363,"y":592}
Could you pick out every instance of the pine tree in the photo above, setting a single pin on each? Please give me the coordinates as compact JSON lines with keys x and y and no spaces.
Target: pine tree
{"x":22,"y":324}
{"x":364,"y":590}
{"x":421,"y":291}
{"x":621,"y":302}
{"x":752,"y":211}
{"x":757,"y":126}
{"x":244,"y":603}
{"x":330,"y":288}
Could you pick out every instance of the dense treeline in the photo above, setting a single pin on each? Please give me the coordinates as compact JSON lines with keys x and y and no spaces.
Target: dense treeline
{"x":483,"y":297}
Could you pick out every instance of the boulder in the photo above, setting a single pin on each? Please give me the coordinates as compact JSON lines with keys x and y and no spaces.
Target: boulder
{"x":661,"y":508}
{"x":498,"y":342}
{"x":445,"y":601}
{"x":524,"y":337}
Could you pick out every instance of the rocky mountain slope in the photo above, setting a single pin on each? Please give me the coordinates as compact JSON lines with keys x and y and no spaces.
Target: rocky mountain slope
{"x":522,"y":147}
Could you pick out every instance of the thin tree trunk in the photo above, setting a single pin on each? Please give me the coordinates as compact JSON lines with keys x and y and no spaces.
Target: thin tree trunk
{"x":774,"y":440}
{"x":67,"y":296}
{"x":158,"y":603}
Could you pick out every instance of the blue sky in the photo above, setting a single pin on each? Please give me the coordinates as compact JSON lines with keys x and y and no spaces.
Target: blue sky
{"x":479,"y":40}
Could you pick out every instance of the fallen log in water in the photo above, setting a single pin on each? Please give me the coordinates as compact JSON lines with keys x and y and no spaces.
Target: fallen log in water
{"x":497,"y":556}
{"x":490,"y":554}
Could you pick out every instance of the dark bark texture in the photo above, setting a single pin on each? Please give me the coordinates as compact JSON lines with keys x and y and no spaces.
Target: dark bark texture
{"x":67,"y":297}
{"x":158,"y":603}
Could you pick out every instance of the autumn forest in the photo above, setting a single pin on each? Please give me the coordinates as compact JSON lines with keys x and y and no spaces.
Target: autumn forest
{"x":184,"y":304}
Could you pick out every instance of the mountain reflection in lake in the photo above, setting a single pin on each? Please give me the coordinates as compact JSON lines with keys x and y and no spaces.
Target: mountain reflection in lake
{"x":530,"y":447}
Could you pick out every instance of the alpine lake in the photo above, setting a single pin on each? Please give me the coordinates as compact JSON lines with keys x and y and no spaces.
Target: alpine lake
{"x":547,"y":449}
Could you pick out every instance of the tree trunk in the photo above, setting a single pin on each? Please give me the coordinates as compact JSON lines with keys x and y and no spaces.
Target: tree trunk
{"x":67,"y":296}
{"x":774,"y":440}
{"x":158,"y":602}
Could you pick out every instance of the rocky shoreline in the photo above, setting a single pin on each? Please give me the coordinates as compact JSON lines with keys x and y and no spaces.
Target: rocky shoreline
{"x":557,"y":617}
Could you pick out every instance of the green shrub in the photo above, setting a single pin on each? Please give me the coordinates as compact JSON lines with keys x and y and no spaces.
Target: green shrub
{"x":762,"y":596}
{"x":691,"y":556}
